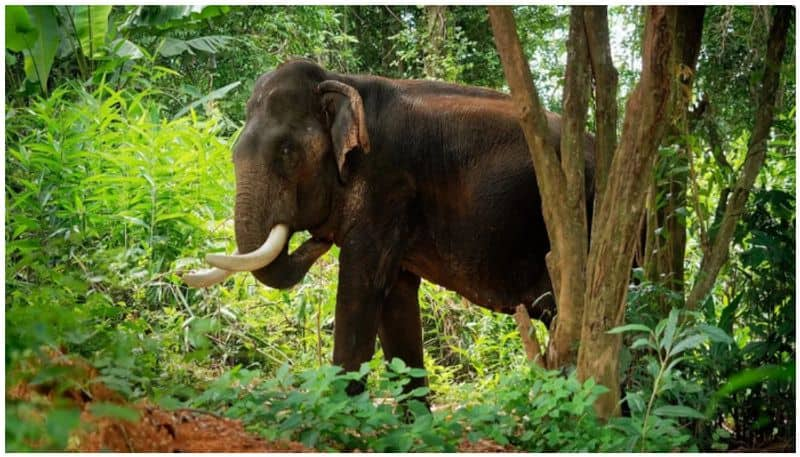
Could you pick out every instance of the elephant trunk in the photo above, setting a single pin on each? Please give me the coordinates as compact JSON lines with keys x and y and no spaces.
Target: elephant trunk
{"x":288,"y":269}
{"x":260,"y":208}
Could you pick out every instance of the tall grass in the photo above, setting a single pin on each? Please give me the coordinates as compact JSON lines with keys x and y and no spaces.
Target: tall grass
{"x":103,"y":198}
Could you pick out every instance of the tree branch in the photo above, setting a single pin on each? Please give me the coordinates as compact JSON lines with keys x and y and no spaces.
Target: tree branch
{"x":756,"y":153}
{"x":605,"y":79}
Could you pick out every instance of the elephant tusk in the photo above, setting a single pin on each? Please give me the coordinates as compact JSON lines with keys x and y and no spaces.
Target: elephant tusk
{"x":254,"y":260}
{"x":205,"y":278}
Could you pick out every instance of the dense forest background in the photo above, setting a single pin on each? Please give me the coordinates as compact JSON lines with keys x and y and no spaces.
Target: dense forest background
{"x":119,"y":123}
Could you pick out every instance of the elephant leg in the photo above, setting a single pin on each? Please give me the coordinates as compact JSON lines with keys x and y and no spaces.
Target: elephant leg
{"x":400,"y":325}
{"x":358,"y":301}
{"x":354,"y":332}
{"x":369,"y":267}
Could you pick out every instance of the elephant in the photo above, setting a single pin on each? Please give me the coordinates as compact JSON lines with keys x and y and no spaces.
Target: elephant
{"x":411,"y":179}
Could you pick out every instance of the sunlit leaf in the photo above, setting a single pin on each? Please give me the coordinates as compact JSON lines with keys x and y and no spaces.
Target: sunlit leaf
{"x":678,"y":411}
{"x":20,"y":31}
{"x":629,"y":328}
{"x":39,"y":58}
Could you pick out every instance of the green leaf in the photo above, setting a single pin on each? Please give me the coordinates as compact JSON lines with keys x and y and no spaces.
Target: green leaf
{"x":172,"y":47}
{"x":214,"y":95}
{"x":678,"y":411}
{"x":674,"y":362}
{"x":106,"y":409}
{"x":210,"y":44}
{"x":643,"y":342}
{"x":39,"y":58}
{"x":20,"y":31}
{"x":60,"y":423}
{"x":419,"y":392}
{"x":748,"y":378}
{"x":417,"y":372}
{"x":635,"y":402}
{"x":125,"y":48}
{"x":687,"y":343}
{"x":91,"y":27}
{"x":669,"y":329}
{"x":168,"y":17}
{"x":716,"y":334}
{"x":398,"y":365}
{"x":629,"y":328}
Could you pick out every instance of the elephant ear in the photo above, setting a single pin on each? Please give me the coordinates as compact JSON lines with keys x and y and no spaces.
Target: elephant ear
{"x":345,"y":118}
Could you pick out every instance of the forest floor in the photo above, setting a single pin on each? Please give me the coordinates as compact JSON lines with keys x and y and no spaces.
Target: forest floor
{"x":155,"y":429}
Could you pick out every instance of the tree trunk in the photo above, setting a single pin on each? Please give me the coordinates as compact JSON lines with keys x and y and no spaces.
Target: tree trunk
{"x":666,"y":227}
{"x":605,"y":80}
{"x":717,"y":254}
{"x":616,"y":221}
{"x":436,"y":34}
{"x":667,"y":230}
{"x":598,"y":280}
{"x":559,"y":181}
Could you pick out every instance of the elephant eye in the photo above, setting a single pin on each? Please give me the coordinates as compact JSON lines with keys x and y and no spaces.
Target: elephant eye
{"x":286,"y":147}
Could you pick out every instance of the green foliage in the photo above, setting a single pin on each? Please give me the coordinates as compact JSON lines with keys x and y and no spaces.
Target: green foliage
{"x":99,"y":191}
{"x":531,"y":409}
{"x":90,"y":25}
{"x":757,"y":306}
{"x":542,"y":411}
{"x":20,"y":31}
{"x":39,"y":57}
{"x":168,"y":17}
{"x":654,"y":423}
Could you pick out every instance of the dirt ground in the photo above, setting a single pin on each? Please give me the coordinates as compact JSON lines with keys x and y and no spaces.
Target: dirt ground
{"x":181,"y":430}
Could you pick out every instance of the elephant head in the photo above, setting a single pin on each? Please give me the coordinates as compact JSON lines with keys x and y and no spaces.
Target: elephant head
{"x":289,"y":164}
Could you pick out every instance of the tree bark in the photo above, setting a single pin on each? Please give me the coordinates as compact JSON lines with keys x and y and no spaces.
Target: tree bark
{"x":605,"y":81}
{"x":574,"y":246}
{"x":717,"y":254}
{"x":561,"y":180}
{"x":616,"y":221}
{"x":666,"y":227}
{"x":528,"y":334}
{"x":436,"y":33}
